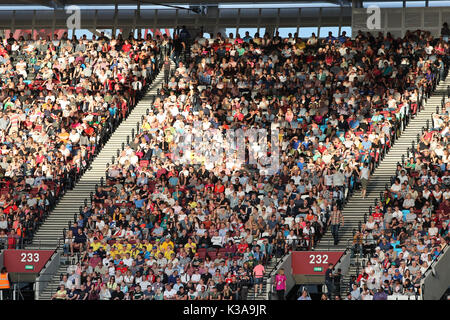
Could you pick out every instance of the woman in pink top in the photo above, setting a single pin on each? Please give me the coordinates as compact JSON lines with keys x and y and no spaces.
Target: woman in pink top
{"x":280,"y":284}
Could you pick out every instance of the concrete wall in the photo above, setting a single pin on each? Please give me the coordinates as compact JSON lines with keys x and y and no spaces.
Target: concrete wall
{"x":437,"y":278}
{"x":46,"y":274}
{"x":344,"y":262}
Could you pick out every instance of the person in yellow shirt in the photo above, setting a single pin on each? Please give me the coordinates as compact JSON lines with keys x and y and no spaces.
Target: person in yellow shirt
{"x":168,"y":253}
{"x":139,"y":245}
{"x":96,"y":244}
{"x":146,"y":126}
{"x":47,"y":105}
{"x":112,"y":252}
{"x":148,"y":246}
{"x":117,"y":246}
{"x":128,"y":246}
{"x":134,"y":252}
{"x":155,"y":252}
{"x":166,"y":243}
{"x":191,"y":245}
{"x":193,"y":204}
{"x":301,"y":45}
{"x":257,"y":39}
{"x":63,"y":136}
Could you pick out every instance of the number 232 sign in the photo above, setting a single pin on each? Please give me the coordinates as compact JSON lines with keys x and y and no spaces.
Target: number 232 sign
{"x":26,"y":261}
{"x":313,"y":262}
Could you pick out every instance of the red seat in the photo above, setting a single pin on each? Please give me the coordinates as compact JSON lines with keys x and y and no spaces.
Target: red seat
{"x":202,"y":255}
{"x":212,"y":254}
{"x":223,"y":251}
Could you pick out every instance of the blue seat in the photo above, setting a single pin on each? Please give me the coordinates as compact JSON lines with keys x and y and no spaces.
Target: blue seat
{"x":405,"y":212}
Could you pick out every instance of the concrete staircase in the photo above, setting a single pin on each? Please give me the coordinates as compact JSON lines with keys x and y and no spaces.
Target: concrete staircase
{"x":254,"y":295}
{"x":357,"y":264}
{"x":53,"y":285}
{"x":356,"y":207}
{"x":50,"y":234}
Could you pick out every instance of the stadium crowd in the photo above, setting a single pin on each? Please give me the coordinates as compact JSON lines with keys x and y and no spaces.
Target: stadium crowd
{"x":59,"y":97}
{"x":187,"y":225}
{"x":409,"y":227}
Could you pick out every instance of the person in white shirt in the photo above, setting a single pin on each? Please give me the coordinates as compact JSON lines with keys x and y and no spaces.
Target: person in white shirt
{"x":402,"y":177}
{"x":433,"y":230}
{"x":365,"y":295}
{"x":195,"y":277}
{"x":169,"y":293}
{"x":292,"y":239}
{"x":217,"y":240}
{"x":128,"y":260}
{"x":397,"y":214}
{"x":396,"y":187}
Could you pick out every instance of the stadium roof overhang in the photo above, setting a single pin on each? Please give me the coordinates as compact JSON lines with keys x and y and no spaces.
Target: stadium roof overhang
{"x":171,"y":13}
{"x":136,"y":14}
{"x":61,"y":3}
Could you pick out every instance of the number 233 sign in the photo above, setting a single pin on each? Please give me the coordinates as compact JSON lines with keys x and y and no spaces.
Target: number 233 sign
{"x":26,"y":261}
{"x":313,"y":262}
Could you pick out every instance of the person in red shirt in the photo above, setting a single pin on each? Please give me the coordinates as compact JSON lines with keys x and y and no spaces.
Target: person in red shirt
{"x":229,"y":278}
{"x":377,"y":216}
{"x":219,"y":188}
{"x":242,"y":247}
{"x":239,"y":115}
{"x":209,"y":185}
{"x":126,"y":46}
{"x":122,"y":268}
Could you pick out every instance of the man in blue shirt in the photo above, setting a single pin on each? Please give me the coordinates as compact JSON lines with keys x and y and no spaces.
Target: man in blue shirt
{"x":306,"y":143}
{"x":366,"y":143}
{"x":330,"y":37}
{"x":247,"y":37}
{"x":173,"y":181}
{"x":343,"y":37}
{"x":354,"y":123}
{"x":139,"y":203}
{"x":295,"y":143}
{"x":301,"y":163}
{"x":397,"y":276}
